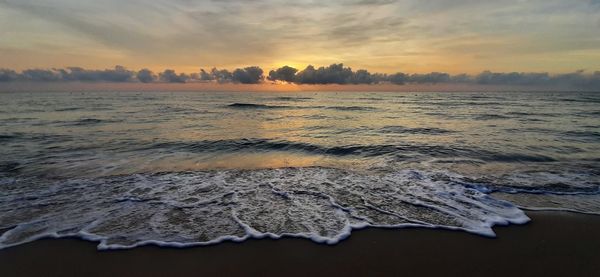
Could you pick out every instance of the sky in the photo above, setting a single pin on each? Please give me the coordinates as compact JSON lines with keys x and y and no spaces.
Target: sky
{"x":459,"y":36}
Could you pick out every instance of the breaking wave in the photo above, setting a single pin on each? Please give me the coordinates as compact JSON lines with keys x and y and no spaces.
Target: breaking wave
{"x":206,"y":207}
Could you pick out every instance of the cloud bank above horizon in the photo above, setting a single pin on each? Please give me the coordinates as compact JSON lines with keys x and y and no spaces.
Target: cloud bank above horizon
{"x":555,"y":36}
{"x":337,"y":74}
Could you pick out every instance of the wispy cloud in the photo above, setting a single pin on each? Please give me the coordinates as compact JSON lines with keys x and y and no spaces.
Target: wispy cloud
{"x":382,"y":35}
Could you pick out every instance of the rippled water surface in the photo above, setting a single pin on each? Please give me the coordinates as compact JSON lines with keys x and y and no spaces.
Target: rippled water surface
{"x":179,"y":169}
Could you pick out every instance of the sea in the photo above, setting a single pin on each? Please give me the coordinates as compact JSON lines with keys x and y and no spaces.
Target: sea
{"x":180,"y":169}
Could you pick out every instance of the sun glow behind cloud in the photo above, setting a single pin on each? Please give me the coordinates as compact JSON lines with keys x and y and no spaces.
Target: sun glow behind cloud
{"x":379,"y":35}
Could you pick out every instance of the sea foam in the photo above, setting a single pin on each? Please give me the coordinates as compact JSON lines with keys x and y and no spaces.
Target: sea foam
{"x":181,"y":209}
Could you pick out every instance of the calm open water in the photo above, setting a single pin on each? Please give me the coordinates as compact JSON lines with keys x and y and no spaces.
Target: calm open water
{"x":180,"y":169}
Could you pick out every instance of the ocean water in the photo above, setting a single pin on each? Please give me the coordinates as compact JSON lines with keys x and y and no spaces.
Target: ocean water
{"x":181,"y":169}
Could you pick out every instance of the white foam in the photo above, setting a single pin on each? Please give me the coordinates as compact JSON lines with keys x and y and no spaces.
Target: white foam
{"x":208,"y":207}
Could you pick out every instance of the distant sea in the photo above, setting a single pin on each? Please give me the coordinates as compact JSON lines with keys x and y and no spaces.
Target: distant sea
{"x":182,"y":169}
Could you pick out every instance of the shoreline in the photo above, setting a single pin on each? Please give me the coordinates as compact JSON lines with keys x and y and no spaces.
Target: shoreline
{"x":552,"y":244}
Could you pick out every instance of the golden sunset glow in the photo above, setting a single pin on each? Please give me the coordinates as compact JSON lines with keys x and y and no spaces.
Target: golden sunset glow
{"x":381,"y":36}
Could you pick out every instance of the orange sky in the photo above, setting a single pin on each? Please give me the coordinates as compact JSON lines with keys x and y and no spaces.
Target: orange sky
{"x":462,"y":36}
{"x":265,"y":87}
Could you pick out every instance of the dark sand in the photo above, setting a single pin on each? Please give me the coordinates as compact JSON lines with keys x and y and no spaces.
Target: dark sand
{"x":554,"y":244}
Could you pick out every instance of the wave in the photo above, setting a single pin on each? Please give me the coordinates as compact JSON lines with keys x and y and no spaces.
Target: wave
{"x":590,"y":136}
{"x":351,"y":108}
{"x":9,"y":167}
{"x":255,"y":106}
{"x":371,"y":98}
{"x":176,"y":110}
{"x":7,"y":137}
{"x":68,"y":109}
{"x":266,"y":107}
{"x":289,"y":98}
{"x":416,"y":131}
{"x":533,"y":114}
{"x":19,"y":137}
{"x":399,"y":152}
{"x":90,"y":121}
{"x":584,"y":182}
{"x":490,"y":117}
{"x":592,"y":113}
{"x":580,"y":100}
{"x":579,"y":203}
{"x":198,"y":208}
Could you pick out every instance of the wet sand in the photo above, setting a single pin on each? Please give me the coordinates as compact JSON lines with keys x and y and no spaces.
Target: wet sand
{"x":553,"y":244}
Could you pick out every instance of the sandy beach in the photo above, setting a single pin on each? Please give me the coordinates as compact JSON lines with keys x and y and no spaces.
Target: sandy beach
{"x":553,"y":244}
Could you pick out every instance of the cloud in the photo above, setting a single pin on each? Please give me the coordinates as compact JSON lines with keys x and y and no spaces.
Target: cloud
{"x":248,"y":75}
{"x":118,"y":74}
{"x":578,"y":79}
{"x":285,"y":74}
{"x":398,"y":78}
{"x":42,"y":75}
{"x":333,"y":74}
{"x":373,"y":2}
{"x":205,"y":76}
{"x":430,"y":78}
{"x":336,"y":74}
{"x":513,"y":78}
{"x":362,"y":76}
{"x":8,"y":75}
{"x":221,"y":76}
{"x":414,"y":35}
{"x":170,"y":76}
{"x":146,"y":76}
